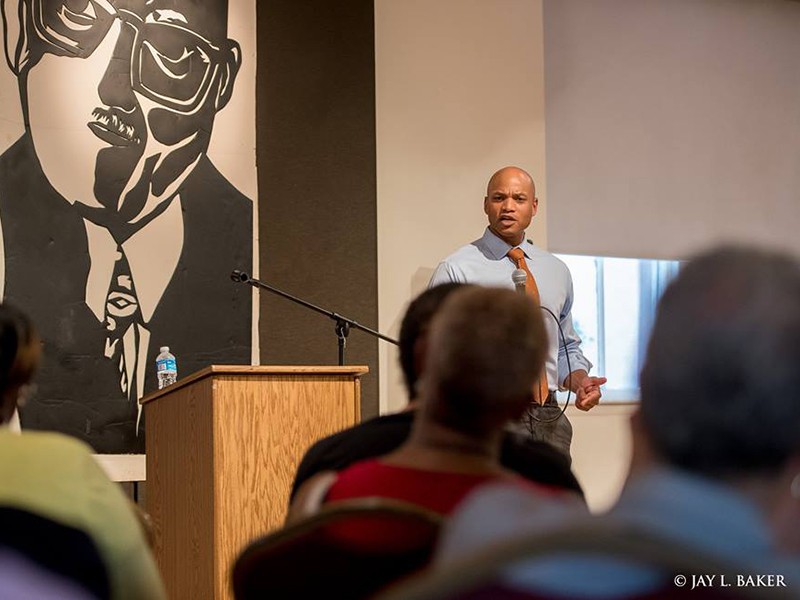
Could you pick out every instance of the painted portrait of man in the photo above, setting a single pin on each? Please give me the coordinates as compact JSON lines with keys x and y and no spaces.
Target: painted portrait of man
{"x":119,"y":233}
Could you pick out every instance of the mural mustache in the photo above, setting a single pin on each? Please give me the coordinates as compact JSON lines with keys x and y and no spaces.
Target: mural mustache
{"x":111,"y":198}
{"x":112,"y":127}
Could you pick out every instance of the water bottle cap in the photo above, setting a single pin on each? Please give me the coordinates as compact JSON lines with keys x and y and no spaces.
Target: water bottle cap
{"x":164,"y":349}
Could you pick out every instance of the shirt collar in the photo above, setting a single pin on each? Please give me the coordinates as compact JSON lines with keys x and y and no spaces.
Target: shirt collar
{"x":695,"y":510}
{"x":499,"y":249}
{"x":163,"y":236}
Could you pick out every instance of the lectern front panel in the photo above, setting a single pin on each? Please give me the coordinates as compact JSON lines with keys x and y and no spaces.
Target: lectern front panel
{"x":222,"y":449}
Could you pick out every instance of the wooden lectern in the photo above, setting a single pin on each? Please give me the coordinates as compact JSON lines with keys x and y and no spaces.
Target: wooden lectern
{"x":222,"y":448}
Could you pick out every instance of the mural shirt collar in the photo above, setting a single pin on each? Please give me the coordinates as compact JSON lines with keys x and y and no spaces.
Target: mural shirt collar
{"x":152,"y":252}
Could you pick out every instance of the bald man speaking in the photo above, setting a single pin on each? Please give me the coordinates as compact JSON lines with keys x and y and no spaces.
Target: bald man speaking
{"x":510,"y":205}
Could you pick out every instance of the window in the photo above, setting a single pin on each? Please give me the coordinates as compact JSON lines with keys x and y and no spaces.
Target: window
{"x":613,"y":311}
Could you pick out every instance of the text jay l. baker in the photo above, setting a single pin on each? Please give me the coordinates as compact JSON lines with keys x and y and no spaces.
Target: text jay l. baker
{"x":740,"y":581}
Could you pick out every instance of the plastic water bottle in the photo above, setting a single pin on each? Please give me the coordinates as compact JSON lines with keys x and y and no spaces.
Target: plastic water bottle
{"x":166,"y":368}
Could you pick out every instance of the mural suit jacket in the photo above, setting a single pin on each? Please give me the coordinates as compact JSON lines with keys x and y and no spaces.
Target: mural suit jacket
{"x":202,"y":316}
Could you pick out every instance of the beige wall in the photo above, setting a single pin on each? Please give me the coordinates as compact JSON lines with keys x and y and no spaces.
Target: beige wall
{"x":234,"y":153}
{"x":460,"y":93}
{"x":601,"y":451}
{"x":658,"y":111}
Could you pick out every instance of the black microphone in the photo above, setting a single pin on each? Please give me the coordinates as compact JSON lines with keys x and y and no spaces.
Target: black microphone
{"x":239,"y":276}
{"x":519,"y":277}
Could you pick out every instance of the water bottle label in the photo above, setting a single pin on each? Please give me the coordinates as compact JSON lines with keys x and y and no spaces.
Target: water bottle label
{"x":167,"y":364}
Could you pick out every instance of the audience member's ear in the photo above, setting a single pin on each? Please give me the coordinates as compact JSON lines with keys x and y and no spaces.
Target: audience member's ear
{"x":310,"y":496}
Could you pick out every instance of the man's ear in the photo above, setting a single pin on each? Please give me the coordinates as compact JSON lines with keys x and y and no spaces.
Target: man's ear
{"x":486,"y":205}
{"x":14,"y":16}
{"x":233,"y":60}
{"x":535,"y":203}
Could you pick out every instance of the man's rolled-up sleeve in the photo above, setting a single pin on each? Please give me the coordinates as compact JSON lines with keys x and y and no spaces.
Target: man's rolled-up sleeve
{"x":570,"y":355}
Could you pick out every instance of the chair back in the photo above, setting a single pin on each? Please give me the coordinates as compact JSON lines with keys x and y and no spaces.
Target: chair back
{"x":482,"y":576}
{"x":350,"y":549}
{"x":60,"y":549}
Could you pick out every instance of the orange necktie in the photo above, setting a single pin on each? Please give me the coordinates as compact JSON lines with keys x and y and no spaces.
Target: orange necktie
{"x":541,"y":389}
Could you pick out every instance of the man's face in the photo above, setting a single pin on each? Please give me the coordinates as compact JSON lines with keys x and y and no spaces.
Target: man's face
{"x":510,"y":204}
{"x":122,"y":94}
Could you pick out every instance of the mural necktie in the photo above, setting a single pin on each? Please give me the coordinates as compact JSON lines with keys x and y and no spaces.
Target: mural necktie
{"x":127,"y":339}
{"x":541,"y":389}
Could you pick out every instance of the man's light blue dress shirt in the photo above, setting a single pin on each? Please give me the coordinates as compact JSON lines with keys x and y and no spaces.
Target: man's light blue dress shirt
{"x":485,"y":262}
{"x":702,"y":514}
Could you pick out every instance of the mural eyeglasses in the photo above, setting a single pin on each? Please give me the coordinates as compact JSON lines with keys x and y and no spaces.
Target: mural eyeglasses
{"x":169,"y":63}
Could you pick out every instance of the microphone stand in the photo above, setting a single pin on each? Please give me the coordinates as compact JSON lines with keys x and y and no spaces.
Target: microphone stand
{"x":343,"y":324}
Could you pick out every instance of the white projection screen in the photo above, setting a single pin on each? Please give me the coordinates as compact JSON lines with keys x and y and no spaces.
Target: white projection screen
{"x":671,"y":125}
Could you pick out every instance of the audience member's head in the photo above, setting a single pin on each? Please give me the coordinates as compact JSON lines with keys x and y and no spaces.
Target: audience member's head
{"x":46,"y":482}
{"x":19,"y":357}
{"x":414,"y":331}
{"x":721,"y":383}
{"x":486,"y":348}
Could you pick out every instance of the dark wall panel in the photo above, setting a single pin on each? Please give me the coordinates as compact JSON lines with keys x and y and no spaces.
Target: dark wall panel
{"x":316,"y":179}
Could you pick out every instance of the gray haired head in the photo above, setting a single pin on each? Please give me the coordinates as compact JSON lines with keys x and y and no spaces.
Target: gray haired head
{"x":721,"y":382}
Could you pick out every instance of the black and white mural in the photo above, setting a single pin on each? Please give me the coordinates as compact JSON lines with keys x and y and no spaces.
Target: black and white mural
{"x":119,"y":230}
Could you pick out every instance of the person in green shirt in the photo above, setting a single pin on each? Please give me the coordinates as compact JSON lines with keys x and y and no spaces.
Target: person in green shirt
{"x":55,"y":477}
